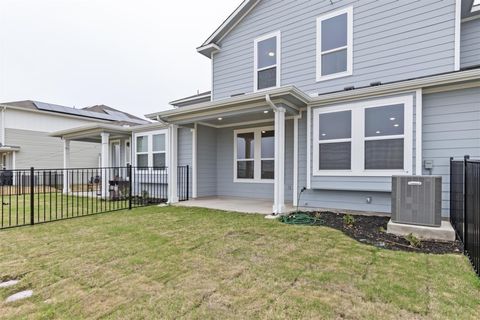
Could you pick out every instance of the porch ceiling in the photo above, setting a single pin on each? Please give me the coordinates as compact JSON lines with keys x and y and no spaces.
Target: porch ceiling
{"x":246,"y":107}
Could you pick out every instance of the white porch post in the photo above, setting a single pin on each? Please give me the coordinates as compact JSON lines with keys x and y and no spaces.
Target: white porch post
{"x":172,"y":163}
{"x":279,"y":184}
{"x":194,"y":161}
{"x":66,"y":165}
{"x":295,"y":160}
{"x":105,"y":177}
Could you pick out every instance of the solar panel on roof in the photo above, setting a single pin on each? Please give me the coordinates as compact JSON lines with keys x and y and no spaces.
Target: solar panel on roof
{"x":118,"y":115}
{"x":111,"y":116}
{"x":72,"y":111}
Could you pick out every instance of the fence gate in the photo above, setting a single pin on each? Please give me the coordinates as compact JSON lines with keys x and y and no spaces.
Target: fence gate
{"x":465,"y":206}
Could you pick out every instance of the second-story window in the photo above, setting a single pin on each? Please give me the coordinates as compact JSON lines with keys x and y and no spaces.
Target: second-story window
{"x":335,"y":44}
{"x":267,"y":62}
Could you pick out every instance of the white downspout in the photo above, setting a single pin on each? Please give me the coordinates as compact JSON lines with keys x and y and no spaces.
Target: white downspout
{"x":3,"y":126}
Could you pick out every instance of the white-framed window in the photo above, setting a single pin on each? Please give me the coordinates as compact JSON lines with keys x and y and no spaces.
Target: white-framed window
{"x":128,"y":152}
{"x":159,"y":151}
{"x":253,"y":156}
{"x":371,"y":138}
{"x":476,"y":6}
{"x":151,"y":150}
{"x":335,"y":44}
{"x":267,"y":51}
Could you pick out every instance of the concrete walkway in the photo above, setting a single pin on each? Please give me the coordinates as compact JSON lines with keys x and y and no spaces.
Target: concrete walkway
{"x":245,"y":205}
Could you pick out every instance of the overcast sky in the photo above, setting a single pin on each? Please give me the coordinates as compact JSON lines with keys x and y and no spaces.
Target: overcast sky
{"x":133,"y":55}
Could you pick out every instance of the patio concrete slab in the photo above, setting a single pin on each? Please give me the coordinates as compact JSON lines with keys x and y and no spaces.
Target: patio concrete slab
{"x":236,"y":204}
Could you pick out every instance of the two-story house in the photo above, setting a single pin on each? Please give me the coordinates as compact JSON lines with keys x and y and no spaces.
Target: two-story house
{"x":334,"y":96}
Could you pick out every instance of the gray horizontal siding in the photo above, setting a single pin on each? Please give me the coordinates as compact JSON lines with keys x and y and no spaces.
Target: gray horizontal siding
{"x":206,"y":161}
{"x":470,"y":43}
{"x":451,"y":128}
{"x":392,"y":41}
{"x":39,"y":150}
{"x":185,"y":154}
{"x":225,"y":184}
{"x":216,"y":165}
{"x":346,"y":200}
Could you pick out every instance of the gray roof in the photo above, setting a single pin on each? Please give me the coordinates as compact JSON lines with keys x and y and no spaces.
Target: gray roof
{"x":226,"y":26}
{"x":198,"y":98}
{"x":100,"y":112}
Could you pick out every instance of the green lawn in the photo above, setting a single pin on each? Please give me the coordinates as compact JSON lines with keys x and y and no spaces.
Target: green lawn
{"x":152,"y":263}
{"x":15,"y":209}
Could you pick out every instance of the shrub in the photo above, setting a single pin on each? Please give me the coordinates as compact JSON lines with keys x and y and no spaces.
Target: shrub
{"x":413,"y":240}
{"x":348,"y":220}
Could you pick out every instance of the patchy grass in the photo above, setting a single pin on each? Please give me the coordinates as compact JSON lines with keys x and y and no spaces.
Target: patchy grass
{"x":195,"y":263}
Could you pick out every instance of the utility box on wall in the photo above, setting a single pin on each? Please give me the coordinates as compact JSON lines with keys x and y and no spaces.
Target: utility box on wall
{"x":417,"y":200}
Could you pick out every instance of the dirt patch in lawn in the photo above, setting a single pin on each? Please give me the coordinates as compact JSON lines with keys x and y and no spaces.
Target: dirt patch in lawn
{"x":372,"y":230}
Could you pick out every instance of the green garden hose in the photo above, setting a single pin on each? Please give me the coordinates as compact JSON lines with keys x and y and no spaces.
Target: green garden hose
{"x":299,"y":218}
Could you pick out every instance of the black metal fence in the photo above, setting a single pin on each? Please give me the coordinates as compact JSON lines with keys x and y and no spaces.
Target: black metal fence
{"x":36,"y":196}
{"x":465,"y":206}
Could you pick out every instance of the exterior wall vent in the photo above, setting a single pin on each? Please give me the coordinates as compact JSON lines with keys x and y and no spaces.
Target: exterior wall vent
{"x":417,"y":200}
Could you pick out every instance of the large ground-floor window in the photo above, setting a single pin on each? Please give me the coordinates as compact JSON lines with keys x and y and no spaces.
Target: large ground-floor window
{"x":254,"y":154}
{"x":371,"y":138}
{"x":151,"y":149}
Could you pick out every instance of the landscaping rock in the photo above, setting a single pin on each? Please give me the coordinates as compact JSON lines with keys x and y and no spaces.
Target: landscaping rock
{"x":8,"y":283}
{"x":20,"y":295}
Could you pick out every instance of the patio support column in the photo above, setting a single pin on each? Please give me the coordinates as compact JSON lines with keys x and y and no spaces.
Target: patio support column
{"x":279,"y":183}
{"x":194,"y":160}
{"x":66,"y":165}
{"x":105,"y":174}
{"x":172,"y":163}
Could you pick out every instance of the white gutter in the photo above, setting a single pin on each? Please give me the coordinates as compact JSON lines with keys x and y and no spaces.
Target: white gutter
{"x":270,"y":103}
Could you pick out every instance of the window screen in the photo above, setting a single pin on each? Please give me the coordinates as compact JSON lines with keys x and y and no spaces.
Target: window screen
{"x":335,"y":156}
{"x":384,"y":154}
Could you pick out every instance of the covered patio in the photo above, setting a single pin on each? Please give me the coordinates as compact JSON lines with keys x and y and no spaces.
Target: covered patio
{"x":115,"y":154}
{"x":244,"y":150}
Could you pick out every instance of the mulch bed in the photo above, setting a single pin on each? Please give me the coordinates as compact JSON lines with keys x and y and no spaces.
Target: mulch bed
{"x":372,"y":230}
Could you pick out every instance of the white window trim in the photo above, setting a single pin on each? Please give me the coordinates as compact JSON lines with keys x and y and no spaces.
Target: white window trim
{"x":257,"y":157}
{"x":358,"y":138}
{"x":150,"y":151}
{"x":128,"y":155}
{"x":475,"y":6}
{"x":159,"y":152}
{"x":349,"y":46}
{"x":278,"y":37}
{"x":113,"y":142}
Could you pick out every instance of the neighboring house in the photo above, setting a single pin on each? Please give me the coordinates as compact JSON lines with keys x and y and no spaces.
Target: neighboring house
{"x":335,"y":96}
{"x":26,"y":125}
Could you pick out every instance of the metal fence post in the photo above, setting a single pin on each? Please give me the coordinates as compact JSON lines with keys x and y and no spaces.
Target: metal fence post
{"x":130,"y":184}
{"x":32,"y":194}
{"x":188,"y":182}
{"x":465,"y":224}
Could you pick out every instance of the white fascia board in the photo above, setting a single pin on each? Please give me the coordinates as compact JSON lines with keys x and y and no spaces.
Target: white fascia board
{"x":244,"y":99}
{"x":209,"y":49}
{"x":87,"y":128}
{"x":230,"y":19}
{"x":200,"y":96}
